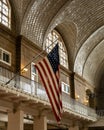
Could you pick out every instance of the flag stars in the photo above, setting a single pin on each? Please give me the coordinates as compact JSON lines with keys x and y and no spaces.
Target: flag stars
{"x":53,"y":58}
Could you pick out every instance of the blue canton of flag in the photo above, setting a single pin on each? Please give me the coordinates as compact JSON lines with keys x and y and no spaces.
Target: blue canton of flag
{"x":53,"y":58}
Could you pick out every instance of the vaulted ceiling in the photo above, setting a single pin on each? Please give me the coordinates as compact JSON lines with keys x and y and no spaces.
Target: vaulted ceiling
{"x":80,"y":23}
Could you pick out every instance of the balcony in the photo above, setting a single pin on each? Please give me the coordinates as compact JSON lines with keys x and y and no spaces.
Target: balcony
{"x":30,"y":90}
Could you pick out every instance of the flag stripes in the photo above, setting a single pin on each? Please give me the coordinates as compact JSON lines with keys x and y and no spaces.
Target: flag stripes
{"x":51,"y":82}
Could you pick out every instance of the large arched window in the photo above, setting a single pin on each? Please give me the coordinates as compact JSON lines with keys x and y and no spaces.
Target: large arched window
{"x":5,"y":13}
{"x":52,"y":39}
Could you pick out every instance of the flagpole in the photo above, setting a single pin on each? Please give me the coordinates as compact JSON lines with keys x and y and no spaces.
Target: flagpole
{"x":34,"y":58}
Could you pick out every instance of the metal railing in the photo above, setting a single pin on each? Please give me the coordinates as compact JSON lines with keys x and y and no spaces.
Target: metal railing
{"x":35,"y":89}
{"x":100,"y":113}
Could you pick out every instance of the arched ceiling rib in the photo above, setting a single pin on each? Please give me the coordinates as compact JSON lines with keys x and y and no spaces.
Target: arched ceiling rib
{"x":86,"y":48}
{"x":38,"y":19}
{"x":68,"y":31}
{"x":98,"y":75}
{"x":90,"y":56}
{"x":93,"y":62}
{"x":87,"y":16}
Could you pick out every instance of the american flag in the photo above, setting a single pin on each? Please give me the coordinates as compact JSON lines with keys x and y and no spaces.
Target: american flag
{"x":48,"y":69}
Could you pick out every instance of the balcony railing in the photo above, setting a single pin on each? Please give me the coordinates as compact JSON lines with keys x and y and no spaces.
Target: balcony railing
{"x":28,"y":86}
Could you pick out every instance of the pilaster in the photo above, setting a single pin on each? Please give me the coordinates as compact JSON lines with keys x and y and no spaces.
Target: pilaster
{"x":40,"y":123}
{"x":15,"y":120}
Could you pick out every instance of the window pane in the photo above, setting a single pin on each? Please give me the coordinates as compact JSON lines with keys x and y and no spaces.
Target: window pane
{"x":65,"y":87}
{"x":0,"y":54}
{"x":0,"y":9}
{"x":34,"y":74}
{"x":33,"y":69}
{"x":5,"y":23}
{"x":5,"y":57}
{"x":5,"y":7}
{"x":5,"y":1}
{"x":0,"y":3}
{"x":52,"y":39}
{"x":5,"y":19}
{"x":5,"y":13}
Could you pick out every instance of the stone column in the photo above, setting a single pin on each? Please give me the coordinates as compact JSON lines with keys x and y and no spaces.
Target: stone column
{"x":85,"y":128}
{"x":18,"y":61}
{"x":78,"y":128}
{"x":72,"y":86}
{"x":74,"y":128}
{"x":40,"y":123}
{"x":15,"y":120}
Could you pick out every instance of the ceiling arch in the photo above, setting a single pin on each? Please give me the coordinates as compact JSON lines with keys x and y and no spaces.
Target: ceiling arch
{"x":38,"y":19}
{"x":70,"y":29}
{"x":80,"y":23}
{"x":90,"y":56}
{"x":46,"y":15}
{"x":93,"y":62}
{"x":98,"y":76}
